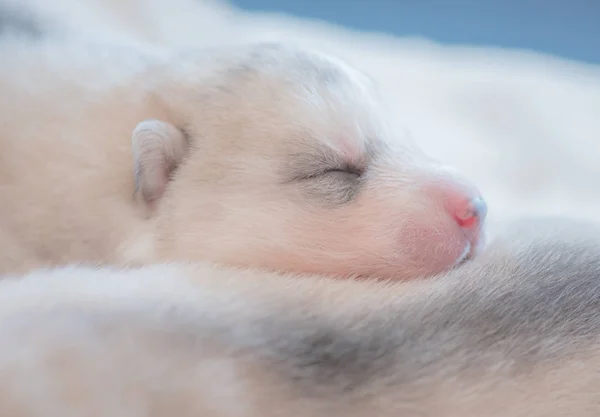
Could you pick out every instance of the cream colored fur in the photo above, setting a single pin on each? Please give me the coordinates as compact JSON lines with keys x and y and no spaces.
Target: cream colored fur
{"x":515,"y":332}
{"x":230,"y":151}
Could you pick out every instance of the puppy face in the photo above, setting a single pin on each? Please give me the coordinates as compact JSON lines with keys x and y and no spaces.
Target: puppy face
{"x":287,"y":162}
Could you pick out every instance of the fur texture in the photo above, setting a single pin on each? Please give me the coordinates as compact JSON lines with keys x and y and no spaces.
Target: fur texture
{"x":259,"y":155}
{"x":514,"y":332}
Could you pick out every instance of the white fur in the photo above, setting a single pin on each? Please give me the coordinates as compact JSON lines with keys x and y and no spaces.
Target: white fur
{"x":513,"y":333}
{"x":225,"y":147}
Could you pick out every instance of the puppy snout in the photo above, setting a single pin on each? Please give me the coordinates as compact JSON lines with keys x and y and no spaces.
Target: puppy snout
{"x":470,"y":213}
{"x":462,"y":202}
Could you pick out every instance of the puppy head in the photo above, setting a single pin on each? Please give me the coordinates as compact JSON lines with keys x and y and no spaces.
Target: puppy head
{"x":282,"y":158}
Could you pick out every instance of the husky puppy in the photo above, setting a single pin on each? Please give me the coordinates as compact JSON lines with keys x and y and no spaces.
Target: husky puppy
{"x":262,"y":155}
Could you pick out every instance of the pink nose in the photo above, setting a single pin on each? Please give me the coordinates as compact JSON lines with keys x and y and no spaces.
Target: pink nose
{"x":470,"y":213}
{"x":461,"y":200}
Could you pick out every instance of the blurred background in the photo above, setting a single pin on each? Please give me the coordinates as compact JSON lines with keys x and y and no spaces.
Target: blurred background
{"x":567,"y":28}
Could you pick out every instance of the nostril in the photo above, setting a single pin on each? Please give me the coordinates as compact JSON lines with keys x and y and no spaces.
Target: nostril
{"x":472,"y":213}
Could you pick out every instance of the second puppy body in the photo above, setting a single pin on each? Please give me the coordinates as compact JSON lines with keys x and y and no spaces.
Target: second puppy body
{"x":515,"y":332}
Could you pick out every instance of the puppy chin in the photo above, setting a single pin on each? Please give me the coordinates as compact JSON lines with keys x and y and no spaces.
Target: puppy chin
{"x":467,"y":255}
{"x":472,"y":249}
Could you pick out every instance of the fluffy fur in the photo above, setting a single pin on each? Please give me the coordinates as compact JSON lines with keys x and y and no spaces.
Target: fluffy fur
{"x":515,"y":332}
{"x":259,"y":155}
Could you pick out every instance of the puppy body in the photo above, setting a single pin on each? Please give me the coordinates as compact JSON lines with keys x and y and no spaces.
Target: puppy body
{"x":259,"y":155}
{"x":514,"y":332}
{"x":66,"y":169}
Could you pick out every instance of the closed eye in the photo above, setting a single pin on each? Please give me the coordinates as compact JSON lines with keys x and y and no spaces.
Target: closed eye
{"x":349,"y":171}
{"x":335,"y":186}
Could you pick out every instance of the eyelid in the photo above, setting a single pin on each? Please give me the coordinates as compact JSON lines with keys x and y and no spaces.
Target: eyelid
{"x":348,"y":169}
{"x":343,"y":170}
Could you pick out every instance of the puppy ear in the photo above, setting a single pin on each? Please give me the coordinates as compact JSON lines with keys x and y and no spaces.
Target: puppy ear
{"x":158,"y":148}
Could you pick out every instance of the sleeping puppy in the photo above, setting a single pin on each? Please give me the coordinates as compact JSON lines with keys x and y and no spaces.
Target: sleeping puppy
{"x":515,"y":332}
{"x":260,"y":155}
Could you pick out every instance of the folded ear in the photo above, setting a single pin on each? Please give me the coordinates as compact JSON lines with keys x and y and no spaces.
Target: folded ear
{"x":158,"y":148}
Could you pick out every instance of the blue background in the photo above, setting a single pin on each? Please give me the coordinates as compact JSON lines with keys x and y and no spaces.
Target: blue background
{"x":567,"y":28}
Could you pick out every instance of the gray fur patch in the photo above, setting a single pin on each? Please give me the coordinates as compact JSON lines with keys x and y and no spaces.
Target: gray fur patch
{"x":511,"y":316}
{"x":324,"y":174}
